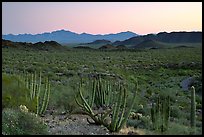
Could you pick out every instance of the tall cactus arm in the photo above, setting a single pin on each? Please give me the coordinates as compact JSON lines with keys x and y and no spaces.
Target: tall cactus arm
{"x":153,"y":115}
{"x":123,"y":107}
{"x":85,"y":104}
{"x":38,"y":93}
{"x":42,"y":109}
{"x":193,"y":109}
{"x":93,"y":93}
{"x":78,"y":102}
{"x":115,"y":120}
{"x":39,"y":88}
{"x":47,"y":98}
{"x":128,"y":112}
{"x":108,"y":91}
{"x":34,"y":84}
{"x":31,"y":86}
{"x":114,"y":113}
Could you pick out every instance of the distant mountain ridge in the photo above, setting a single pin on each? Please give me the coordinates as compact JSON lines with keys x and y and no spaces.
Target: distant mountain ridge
{"x":47,"y":45}
{"x":172,"y":37}
{"x":64,"y":36}
{"x":103,"y":41}
{"x":148,"y":44}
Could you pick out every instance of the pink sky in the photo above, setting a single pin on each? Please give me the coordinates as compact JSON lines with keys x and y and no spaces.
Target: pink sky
{"x":101,"y":17}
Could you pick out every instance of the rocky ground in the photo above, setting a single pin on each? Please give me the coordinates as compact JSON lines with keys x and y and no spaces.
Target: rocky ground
{"x":76,"y":124}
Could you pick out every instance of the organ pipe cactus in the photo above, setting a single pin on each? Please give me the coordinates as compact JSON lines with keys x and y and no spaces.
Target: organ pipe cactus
{"x":117,"y":111}
{"x":37,"y":93}
{"x":160,"y":113}
{"x":45,"y":97}
{"x":101,"y":92}
{"x":193,"y":109}
{"x":87,"y":107}
{"x":119,"y":119}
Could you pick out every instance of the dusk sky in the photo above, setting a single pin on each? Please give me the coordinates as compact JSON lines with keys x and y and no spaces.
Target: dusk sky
{"x":101,"y":17}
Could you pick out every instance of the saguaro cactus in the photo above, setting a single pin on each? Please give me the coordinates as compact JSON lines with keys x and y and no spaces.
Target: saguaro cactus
{"x":160,"y":113}
{"x":193,"y":109}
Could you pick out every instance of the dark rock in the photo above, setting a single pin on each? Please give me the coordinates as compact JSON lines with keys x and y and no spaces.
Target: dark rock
{"x":186,"y":83}
{"x":132,"y":133}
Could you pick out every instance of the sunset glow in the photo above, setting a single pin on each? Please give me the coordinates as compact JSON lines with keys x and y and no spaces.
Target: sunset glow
{"x":101,"y":17}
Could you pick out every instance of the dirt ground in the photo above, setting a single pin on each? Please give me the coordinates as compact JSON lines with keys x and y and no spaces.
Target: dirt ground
{"x":76,"y":124}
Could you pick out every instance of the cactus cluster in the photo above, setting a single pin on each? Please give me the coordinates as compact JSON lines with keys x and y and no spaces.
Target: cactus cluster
{"x":36,"y":90}
{"x":160,"y":113}
{"x":101,"y":93}
{"x":111,"y":105}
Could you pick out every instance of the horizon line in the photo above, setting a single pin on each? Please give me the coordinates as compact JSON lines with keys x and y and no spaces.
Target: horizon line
{"x":103,"y":33}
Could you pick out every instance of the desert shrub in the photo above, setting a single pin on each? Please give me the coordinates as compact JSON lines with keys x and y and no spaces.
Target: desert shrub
{"x":175,"y":112}
{"x":14,"y":93}
{"x":198,"y":84}
{"x":198,"y":106}
{"x":198,"y":99}
{"x":133,"y":123}
{"x":178,"y":129}
{"x":183,"y":121}
{"x":63,"y":98}
{"x":142,"y":123}
{"x":17,"y":122}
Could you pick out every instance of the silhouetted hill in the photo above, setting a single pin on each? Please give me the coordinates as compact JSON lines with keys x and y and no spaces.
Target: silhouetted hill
{"x":183,"y":46}
{"x":108,"y":46}
{"x":103,"y":41}
{"x":47,"y":45}
{"x":121,"y":47}
{"x":173,"y":37}
{"x":149,"y":44}
{"x":117,"y":42}
{"x":8,"y":44}
{"x":82,"y":47}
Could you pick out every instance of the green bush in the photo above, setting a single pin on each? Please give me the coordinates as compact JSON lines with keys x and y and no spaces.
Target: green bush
{"x":133,"y":123}
{"x":63,"y":98}
{"x":175,"y":112}
{"x":14,"y":93}
{"x":16,"y":122}
{"x":178,"y":129}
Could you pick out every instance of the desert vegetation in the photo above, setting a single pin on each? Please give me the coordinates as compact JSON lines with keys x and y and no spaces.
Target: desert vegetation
{"x":145,"y":90}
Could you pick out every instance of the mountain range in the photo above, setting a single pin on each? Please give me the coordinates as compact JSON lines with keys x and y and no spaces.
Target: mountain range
{"x":64,"y":36}
{"x":172,"y":37}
